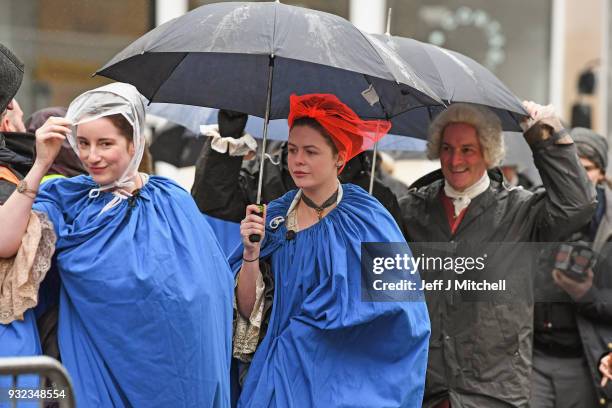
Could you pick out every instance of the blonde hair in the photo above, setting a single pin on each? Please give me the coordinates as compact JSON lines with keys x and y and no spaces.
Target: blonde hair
{"x":487,"y":126}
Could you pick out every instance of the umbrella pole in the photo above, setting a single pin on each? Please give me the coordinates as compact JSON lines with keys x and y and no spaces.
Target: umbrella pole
{"x":374,"y":154}
{"x":265,"y":129}
{"x":257,"y":237}
{"x":373,"y":171}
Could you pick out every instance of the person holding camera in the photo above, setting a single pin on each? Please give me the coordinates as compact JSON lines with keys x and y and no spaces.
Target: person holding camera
{"x":569,"y":333}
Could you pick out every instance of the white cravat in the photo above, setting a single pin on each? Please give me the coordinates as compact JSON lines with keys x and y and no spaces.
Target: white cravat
{"x":461,"y":199}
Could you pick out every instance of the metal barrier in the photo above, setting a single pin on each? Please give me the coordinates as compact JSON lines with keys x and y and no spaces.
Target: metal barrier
{"x":46,"y":368}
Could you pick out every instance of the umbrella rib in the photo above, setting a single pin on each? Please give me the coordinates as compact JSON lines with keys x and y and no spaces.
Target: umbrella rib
{"x":169,"y":75}
{"x":427,"y":91}
{"x":433,"y":64}
{"x":402,"y":112}
{"x":375,"y":50}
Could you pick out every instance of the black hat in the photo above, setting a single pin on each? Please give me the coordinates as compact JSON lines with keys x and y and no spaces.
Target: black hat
{"x":11,"y":74}
{"x":591,"y":146}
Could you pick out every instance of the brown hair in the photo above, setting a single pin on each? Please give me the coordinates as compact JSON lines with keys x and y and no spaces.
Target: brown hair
{"x":146,"y":164}
{"x":313,"y":124}
{"x":122,"y":124}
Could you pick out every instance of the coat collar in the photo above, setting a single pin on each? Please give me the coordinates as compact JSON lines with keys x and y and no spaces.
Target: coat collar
{"x":429,"y":187}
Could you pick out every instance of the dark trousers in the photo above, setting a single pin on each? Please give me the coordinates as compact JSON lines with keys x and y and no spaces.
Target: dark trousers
{"x":561,"y":383}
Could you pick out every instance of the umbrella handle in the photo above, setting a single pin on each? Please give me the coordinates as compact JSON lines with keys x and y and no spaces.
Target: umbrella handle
{"x":256,"y":237}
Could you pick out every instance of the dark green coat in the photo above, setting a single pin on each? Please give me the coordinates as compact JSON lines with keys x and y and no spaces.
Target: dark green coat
{"x":480,"y":352}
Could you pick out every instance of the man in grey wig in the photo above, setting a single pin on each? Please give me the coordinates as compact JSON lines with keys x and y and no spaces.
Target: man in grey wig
{"x":480,"y":351}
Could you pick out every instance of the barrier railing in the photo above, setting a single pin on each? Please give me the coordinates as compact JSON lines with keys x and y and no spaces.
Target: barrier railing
{"x":60,"y":389}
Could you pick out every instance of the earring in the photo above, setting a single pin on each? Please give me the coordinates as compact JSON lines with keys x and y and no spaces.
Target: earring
{"x":338,"y":165}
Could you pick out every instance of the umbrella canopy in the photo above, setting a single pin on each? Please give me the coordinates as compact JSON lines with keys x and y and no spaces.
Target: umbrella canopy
{"x":193,"y":117}
{"x":237,"y":55}
{"x":457,"y":78}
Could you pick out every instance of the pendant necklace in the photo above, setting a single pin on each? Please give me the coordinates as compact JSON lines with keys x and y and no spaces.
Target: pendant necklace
{"x":319,"y":208}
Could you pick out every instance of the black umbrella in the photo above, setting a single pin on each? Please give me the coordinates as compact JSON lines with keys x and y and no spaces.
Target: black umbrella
{"x":223,"y":55}
{"x":250,"y":57}
{"x":457,"y":78}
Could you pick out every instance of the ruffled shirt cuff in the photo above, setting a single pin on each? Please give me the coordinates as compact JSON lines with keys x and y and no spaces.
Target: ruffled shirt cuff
{"x":235,"y":147}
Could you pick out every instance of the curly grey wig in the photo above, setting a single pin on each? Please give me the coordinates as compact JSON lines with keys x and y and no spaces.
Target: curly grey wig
{"x":487,"y":125}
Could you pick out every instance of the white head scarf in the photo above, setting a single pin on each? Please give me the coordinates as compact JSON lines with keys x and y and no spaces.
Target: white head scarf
{"x":116,"y":98}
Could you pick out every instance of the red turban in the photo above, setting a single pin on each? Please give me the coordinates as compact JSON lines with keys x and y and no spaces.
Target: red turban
{"x":349,"y":132}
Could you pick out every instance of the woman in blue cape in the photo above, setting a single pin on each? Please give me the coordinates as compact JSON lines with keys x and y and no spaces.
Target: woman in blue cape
{"x":324,"y":346}
{"x":145,"y":304}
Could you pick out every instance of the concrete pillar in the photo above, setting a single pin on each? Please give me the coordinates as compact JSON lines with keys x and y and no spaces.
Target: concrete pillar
{"x":557,"y":56}
{"x":369,"y":15}
{"x":580,"y":43}
{"x":166,"y":10}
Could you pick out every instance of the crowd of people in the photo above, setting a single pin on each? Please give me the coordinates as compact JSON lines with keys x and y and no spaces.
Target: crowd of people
{"x":118,"y":274}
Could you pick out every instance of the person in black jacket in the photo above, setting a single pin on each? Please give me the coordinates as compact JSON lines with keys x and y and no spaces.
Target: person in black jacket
{"x":224,"y":185}
{"x":11,"y":74}
{"x":17,"y":139}
{"x":570,"y":331}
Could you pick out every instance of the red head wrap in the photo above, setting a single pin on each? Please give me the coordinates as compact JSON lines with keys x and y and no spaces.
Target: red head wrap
{"x":350,"y":134}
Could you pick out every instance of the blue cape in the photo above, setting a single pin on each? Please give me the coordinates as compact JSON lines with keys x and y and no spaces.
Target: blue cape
{"x":19,"y":339}
{"x":227,"y":233}
{"x":325,"y":347}
{"x":146,"y":297}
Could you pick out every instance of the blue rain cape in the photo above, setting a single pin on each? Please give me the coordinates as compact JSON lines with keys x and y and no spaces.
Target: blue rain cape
{"x":325,"y":347}
{"x":19,"y":339}
{"x":146,"y":297}
{"x":227,"y":233}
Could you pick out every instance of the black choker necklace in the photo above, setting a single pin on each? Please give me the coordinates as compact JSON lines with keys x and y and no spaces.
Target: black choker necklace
{"x":319,"y":208}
